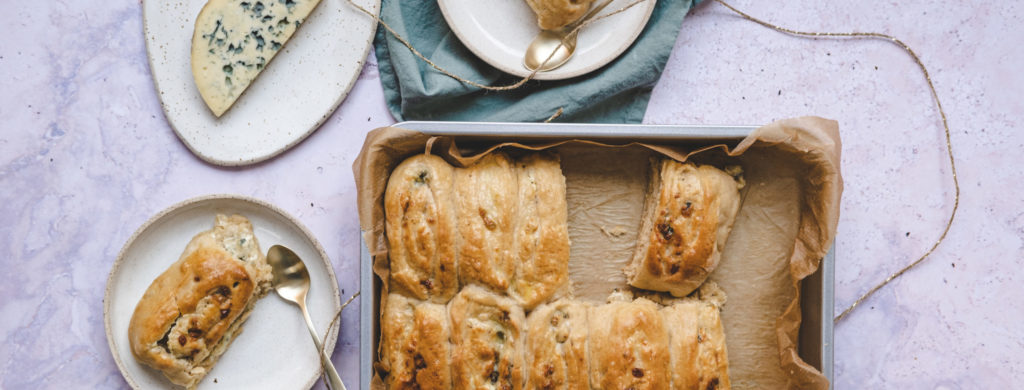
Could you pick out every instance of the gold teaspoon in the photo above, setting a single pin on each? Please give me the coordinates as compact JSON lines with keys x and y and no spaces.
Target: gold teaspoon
{"x":291,"y":281}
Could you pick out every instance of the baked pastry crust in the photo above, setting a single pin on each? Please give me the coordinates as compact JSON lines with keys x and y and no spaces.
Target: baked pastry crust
{"x":190,"y":313}
{"x":415,"y":350}
{"x":487,"y":340}
{"x":486,"y":205}
{"x":629,"y":346}
{"x":420,"y":223}
{"x":689,"y":213}
{"x":499,"y":227}
{"x":556,"y":346}
{"x":541,"y":231}
{"x":552,"y":14}
{"x":699,"y":357}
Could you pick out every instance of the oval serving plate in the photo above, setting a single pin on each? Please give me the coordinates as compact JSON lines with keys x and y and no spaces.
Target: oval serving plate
{"x":297,"y":91}
{"x":274,"y":350}
{"x":498,"y":31}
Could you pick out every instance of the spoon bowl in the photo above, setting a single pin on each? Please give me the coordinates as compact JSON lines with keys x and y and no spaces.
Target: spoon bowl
{"x":291,"y":282}
{"x":291,"y":278}
{"x":554,"y":43}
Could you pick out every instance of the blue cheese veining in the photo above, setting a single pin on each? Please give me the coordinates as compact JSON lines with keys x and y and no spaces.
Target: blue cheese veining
{"x":234,"y":40}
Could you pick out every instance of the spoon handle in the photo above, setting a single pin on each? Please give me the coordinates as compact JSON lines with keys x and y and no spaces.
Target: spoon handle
{"x":590,"y":14}
{"x":331,"y":378}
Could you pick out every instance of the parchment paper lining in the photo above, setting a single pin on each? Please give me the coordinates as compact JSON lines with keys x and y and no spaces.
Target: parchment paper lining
{"x":784,"y":228}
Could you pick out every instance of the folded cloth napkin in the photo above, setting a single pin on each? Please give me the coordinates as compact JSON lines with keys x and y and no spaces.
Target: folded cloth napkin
{"x":616,"y":93}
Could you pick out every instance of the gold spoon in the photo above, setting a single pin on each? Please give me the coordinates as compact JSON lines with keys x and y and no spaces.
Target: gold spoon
{"x":561,"y":41}
{"x":291,"y":281}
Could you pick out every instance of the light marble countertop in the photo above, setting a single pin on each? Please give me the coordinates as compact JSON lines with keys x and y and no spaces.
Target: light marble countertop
{"x":86,"y":157}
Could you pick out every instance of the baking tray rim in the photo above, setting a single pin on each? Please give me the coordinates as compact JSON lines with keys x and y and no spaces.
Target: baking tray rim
{"x":554,"y":131}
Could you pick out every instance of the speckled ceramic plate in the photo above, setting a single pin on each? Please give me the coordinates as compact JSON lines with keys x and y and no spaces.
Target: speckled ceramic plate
{"x":498,"y":31}
{"x":297,"y":91}
{"x":274,"y":351}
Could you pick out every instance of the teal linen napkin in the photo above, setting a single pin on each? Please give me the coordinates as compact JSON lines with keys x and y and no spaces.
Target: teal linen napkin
{"x":616,"y":93}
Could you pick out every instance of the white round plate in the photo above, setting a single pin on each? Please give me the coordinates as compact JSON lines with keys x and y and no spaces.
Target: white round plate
{"x":498,"y":31}
{"x":297,"y":91}
{"x":274,"y":351}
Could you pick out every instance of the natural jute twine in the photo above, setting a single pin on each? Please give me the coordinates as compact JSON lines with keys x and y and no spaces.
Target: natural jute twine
{"x":945,"y":126}
{"x":855,"y":35}
{"x":337,"y":316}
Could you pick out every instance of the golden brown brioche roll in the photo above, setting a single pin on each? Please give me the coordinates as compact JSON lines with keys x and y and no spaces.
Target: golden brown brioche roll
{"x":486,"y":202}
{"x":421,"y":229}
{"x":541,"y":231}
{"x":628,"y":346}
{"x":552,"y":14}
{"x":699,"y":357}
{"x":487,"y":340}
{"x":556,"y":346}
{"x":415,"y":350}
{"x":689,"y":212}
{"x":189,"y":315}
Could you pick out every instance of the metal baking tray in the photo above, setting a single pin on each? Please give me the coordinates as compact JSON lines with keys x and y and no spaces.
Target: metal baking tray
{"x":817,"y":290}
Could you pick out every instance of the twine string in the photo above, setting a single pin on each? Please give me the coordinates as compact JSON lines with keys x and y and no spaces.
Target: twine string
{"x":334,"y":320}
{"x":945,"y":126}
{"x":557,"y":114}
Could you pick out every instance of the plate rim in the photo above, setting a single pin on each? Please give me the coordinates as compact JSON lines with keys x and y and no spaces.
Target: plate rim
{"x":276,"y":152}
{"x":330,"y":342}
{"x":553,"y":74}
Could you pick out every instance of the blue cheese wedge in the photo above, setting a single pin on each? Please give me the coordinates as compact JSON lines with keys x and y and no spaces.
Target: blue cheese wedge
{"x":234,"y":40}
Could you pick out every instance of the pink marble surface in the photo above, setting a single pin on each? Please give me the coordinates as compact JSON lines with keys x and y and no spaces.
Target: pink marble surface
{"x":86,"y":157}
